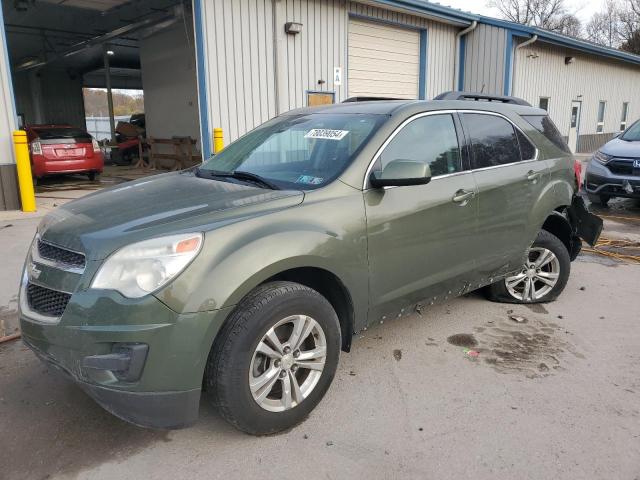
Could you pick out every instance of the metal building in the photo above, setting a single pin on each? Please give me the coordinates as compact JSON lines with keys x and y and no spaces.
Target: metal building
{"x":257,"y":58}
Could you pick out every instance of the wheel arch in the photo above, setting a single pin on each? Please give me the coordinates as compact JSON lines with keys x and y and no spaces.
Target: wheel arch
{"x":558,"y":224}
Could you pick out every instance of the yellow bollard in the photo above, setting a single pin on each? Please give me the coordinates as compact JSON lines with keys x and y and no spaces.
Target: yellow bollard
{"x":23,"y":165}
{"x":218,"y":140}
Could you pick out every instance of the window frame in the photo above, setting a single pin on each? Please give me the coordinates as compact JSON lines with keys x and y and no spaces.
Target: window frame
{"x":464,"y":143}
{"x":624,"y":118}
{"x":548,"y":101}
{"x":600,"y":122}
{"x":459,"y":135}
{"x":516,"y":128}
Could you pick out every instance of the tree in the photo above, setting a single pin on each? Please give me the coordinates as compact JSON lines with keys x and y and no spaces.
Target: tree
{"x":604,"y":26}
{"x":616,"y":24}
{"x":548,"y":14}
{"x":633,"y":44}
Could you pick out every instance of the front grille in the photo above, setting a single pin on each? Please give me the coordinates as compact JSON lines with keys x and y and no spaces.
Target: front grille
{"x":46,"y":301}
{"x":622,"y":167}
{"x":60,"y":255}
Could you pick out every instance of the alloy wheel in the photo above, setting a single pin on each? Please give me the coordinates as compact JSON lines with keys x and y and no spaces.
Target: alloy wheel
{"x":537,"y":278}
{"x":287,"y":363}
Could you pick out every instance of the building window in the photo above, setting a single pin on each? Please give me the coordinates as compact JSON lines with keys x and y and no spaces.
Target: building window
{"x":544,"y":103}
{"x":600,"y":125}
{"x":623,"y":118}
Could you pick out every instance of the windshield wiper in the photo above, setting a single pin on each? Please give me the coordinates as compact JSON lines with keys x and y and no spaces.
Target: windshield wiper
{"x":240,"y":175}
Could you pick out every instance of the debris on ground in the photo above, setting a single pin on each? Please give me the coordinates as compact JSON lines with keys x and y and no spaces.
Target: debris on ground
{"x":7,"y":225}
{"x":583,"y":288}
{"x":397,"y":354}
{"x":518,"y":318}
{"x":329,"y":443}
{"x":352,"y":373}
{"x":8,"y":338}
{"x":560,"y":317}
{"x":471,"y":353}
{"x":623,"y":250}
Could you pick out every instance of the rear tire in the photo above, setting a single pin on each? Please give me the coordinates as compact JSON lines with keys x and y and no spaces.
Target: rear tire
{"x":542,"y":279}
{"x":599,"y":199}
{"x":92,"y":176}
{"x":258,"y":357}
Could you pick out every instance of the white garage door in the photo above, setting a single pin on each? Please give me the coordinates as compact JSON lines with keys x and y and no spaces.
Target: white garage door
{"x":384,"y":61}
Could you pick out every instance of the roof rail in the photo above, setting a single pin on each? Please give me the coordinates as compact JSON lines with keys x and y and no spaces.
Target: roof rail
{"x":369,"y":99}
{"x":481,"y":97}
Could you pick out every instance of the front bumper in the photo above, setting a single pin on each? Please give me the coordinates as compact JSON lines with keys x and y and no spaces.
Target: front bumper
{"x":599,"y":180}
{"x":166,"y":392}
{"x":168,"y":410}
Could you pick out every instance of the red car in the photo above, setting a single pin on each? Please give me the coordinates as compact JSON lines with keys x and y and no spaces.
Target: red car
{"x":58,"y":149}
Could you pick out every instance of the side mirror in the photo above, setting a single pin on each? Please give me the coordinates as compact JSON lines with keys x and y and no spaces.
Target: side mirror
{"x":399,"y":173}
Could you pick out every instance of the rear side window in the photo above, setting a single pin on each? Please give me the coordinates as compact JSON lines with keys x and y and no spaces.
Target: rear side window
{"x":431,"y":139}
{"x":545,"y":126}
{"x":493,"y":140}
{"x":527,"y":149}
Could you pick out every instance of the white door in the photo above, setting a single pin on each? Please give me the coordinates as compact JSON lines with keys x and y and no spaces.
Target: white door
{"x":574,"y":125}
{"x":384,"y":61}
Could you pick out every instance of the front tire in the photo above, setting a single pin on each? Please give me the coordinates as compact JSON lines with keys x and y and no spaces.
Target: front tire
{"x":274,"y":358}
{"x":542,"y":278}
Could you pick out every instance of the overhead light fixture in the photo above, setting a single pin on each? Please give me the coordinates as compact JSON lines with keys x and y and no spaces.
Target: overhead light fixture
{"x":110,"y":52}
{"x":27,"y":62}
{"x":293,"y":28}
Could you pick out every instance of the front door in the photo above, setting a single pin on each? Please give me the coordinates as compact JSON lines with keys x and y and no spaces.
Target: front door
{"x":421,"y":238}
{"x":574,"y":125}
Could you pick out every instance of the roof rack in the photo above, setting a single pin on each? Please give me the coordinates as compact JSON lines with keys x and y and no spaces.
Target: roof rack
{"x":369,"y":99}
{"x":481,"y":97}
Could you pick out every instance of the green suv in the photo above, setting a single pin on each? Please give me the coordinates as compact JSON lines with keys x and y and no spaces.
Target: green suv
{"x":246,"y":276}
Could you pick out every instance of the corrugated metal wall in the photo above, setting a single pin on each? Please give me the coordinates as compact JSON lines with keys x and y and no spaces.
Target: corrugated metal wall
{"x":239,"y":38}
{"x":8,"y":180}
{"x":241,"y":64}
{"x":540,"y":71}
{"x":485,"y":60}
{"x":441,"y":44}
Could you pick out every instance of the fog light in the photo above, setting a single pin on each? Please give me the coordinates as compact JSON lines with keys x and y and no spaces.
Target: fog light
{"x":126,"y":361}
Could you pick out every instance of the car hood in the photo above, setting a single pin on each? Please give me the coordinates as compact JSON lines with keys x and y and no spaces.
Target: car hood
{"x":102,"y":222}
{"x":622,"y":148}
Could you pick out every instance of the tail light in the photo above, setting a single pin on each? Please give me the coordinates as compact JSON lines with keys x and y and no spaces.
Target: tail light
{"x":36,"y":148}
{"x":96,"y":145}
{"x":577,"y":168}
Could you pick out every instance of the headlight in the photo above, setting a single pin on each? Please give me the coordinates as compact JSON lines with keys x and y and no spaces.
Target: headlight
{"x":142,"y":268}
{"x":602,"y":158}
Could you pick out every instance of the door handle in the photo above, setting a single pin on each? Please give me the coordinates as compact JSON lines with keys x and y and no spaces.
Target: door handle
{"x":533,"y":176}
{"x":463,"y":196}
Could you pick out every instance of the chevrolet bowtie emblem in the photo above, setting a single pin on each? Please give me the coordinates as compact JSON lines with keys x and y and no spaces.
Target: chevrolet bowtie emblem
{"x":34,"y":272}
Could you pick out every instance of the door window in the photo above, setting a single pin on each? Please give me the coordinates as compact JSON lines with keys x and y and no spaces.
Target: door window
{"x":431,"y":139}
{"x":493,"y":140}
{"x":574,"y":116}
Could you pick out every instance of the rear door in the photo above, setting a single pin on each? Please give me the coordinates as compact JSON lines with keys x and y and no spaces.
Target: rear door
{"x":421,"y":238}
{"x":510,"y":178}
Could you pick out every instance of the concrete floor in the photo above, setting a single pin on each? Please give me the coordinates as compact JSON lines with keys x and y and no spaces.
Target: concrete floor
{"x":555,"y":397}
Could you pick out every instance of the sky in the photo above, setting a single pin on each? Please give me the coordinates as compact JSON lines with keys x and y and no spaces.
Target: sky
{"x":584,"y":9}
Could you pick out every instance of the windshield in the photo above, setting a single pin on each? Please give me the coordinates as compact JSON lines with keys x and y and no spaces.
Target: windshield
{"x":297,"y":152}
{"x":633,"y":134}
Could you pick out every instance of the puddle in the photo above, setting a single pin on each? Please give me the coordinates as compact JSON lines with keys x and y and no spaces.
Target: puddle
{"x":534,"y":349}
{"x":463,"y":340}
